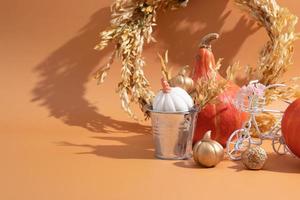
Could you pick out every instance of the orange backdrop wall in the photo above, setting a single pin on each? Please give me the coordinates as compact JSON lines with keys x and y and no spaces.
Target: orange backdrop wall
{"x":51,"y":108}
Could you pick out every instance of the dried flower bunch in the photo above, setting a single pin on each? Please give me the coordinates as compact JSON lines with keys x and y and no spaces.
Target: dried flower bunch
{"x":131,"y":26}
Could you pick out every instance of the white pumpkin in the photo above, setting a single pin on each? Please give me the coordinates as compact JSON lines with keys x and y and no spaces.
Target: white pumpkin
{"x":172,"y":99}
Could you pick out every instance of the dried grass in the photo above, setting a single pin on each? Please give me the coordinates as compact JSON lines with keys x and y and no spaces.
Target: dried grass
{"x":207,"y":90}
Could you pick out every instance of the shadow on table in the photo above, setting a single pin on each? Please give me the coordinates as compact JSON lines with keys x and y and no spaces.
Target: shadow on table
{"x":189,"y":164}
{"x":276,"y":163}
{"x":64,"y":73}
{"x":130,"y":147}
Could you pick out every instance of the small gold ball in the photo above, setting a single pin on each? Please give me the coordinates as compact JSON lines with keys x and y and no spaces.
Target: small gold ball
{"x":254,"y":158}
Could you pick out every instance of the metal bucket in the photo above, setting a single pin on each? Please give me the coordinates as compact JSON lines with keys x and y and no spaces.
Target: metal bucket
{"x":173,"y":133}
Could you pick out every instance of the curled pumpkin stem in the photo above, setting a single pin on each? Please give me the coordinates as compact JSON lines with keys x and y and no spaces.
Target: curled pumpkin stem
{"x":207,"y":40}
{"x":184,"y":70}
{"x":165,"y":86}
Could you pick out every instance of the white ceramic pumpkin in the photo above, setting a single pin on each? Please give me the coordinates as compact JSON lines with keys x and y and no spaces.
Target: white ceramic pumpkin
{"x":172,"y":99}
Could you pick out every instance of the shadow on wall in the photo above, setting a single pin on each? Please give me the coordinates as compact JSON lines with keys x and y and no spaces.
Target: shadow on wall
{"x":182,"y":42}
{"x":65,"y":72}
{"x":63,"y":76}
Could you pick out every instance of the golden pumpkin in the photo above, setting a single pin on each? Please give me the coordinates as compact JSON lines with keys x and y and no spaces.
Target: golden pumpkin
{"x":208,"y":152}
{"x":183,"y":80}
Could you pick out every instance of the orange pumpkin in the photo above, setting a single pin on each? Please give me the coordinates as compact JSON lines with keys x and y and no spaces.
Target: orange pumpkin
{"x":222,"y":118}
{"x":290,"y":127}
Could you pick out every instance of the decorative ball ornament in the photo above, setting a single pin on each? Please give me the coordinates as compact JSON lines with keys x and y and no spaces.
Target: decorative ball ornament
{"x":254,"y":158}
{"x":290,"y":127}
{"x":182,"y":80}
{"x":172,"y":99}
{"x":208,"y":152}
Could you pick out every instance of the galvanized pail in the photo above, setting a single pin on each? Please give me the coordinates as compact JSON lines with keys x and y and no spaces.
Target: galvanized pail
{"x":173,"y":133}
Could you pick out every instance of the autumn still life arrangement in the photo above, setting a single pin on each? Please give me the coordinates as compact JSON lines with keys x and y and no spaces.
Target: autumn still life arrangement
{"x":199,"y":113}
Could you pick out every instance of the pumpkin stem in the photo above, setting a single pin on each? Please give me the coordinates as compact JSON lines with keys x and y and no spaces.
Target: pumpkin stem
{"x":165,"y":86}
{"x":207,"y":135}
{"x":183,"y":70}
{"x":207,"y":39}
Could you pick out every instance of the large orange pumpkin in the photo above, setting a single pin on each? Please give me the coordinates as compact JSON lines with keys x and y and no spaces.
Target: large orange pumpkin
{"x":222,"y":118}
{"x":290,"y":127}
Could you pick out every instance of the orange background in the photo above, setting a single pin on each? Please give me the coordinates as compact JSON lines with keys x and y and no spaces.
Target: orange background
{"x":63,"y":137}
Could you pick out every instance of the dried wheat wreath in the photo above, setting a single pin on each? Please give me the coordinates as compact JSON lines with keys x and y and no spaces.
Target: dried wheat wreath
{"x":132,"y":26}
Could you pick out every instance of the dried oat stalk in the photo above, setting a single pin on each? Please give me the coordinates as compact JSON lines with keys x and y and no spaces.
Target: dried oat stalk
{"x":207,"y":90}
{"x":165,"y":70}
{"x":131,"y":27}
{"x":276,"y":56}
{"x":291,"y":91}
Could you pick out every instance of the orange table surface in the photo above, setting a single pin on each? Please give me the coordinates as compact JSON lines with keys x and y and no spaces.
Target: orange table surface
{"x":65,"y":138}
